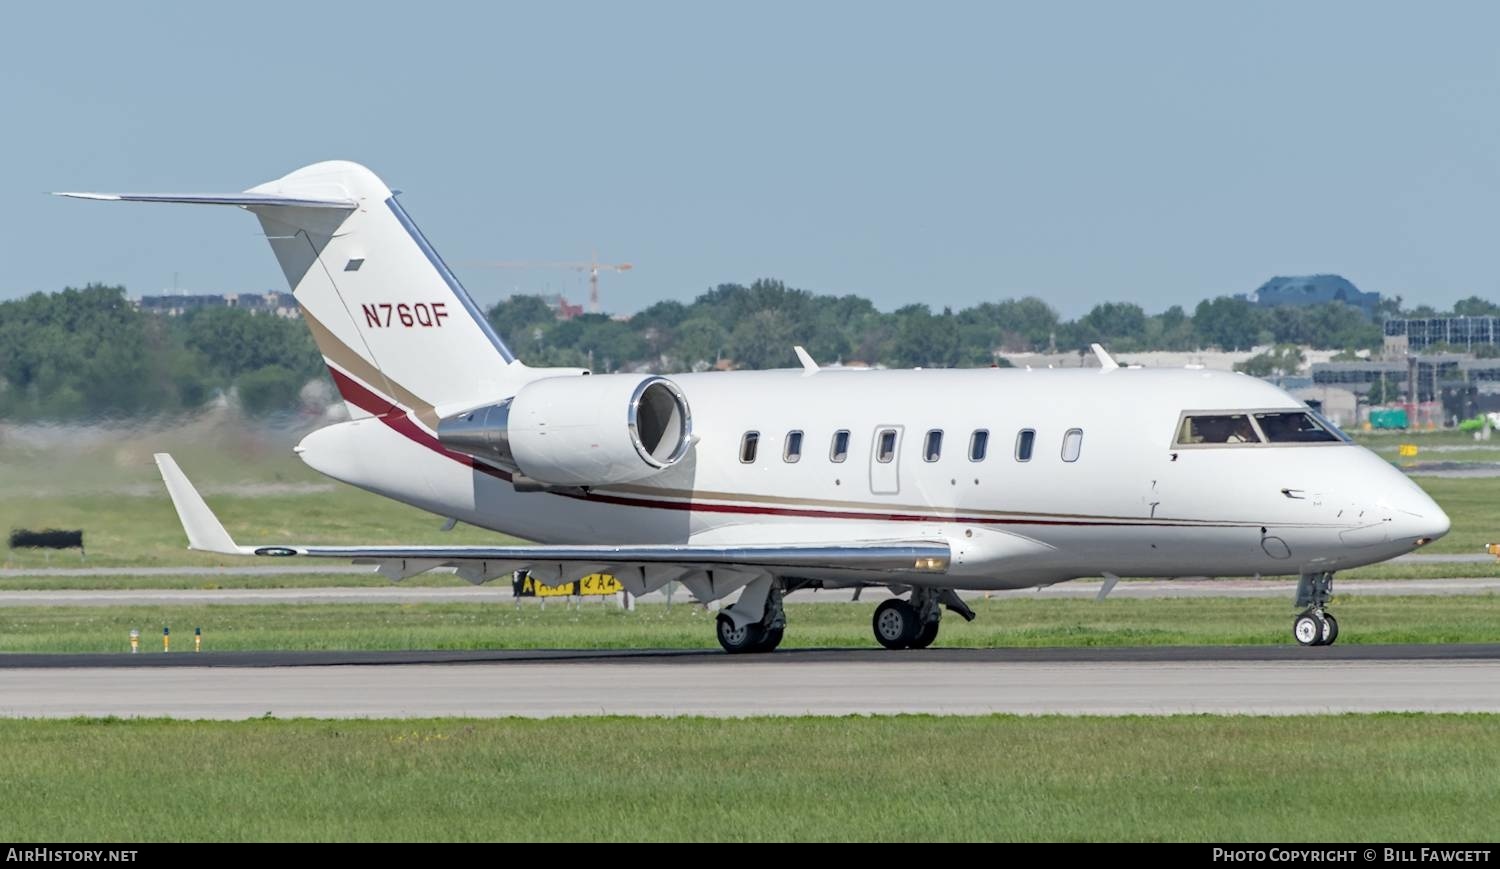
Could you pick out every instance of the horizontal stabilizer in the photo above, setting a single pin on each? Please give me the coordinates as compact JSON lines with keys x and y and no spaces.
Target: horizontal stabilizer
{"x":242,"y":199}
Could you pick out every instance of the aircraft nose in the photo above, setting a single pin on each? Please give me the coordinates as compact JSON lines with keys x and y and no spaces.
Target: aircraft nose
{"x":1439,"y":524}
{"x":1417,"y":518}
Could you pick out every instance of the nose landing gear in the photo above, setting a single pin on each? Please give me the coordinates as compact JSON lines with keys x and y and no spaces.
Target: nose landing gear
{"x":1315,"y":625}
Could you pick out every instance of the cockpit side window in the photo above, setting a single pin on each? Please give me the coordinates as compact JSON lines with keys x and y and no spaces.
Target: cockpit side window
{"x":1207,"y":429}
{"x":1294,"y":427}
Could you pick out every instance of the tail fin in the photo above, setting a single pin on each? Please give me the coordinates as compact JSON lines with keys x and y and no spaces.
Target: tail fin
{"x":395,"y":326}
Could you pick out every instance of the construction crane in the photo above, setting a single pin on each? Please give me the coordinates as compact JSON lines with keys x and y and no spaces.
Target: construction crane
{"x":593,"y":266}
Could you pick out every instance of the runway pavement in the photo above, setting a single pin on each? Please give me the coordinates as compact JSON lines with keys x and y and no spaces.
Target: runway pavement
{"x":501,"y":592}
{"x":1272,"y":680}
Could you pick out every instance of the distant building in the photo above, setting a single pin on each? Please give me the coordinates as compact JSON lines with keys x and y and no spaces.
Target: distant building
{"x":1213,"y":360}
{"x":1313,"y":290}
{"x":1338,"y":404}
{"x":1455,"y":333}
{"x":1431,"y":374}
{"x":175,"y":305}
{"x":270,"y":302}
{"x":1448,"y":386}
{"x":561,"y":307}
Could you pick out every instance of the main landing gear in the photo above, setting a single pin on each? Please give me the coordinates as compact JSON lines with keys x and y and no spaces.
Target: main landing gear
{"x":756,"y":622}
{"x":913,"y":624}
{"x":747,"y":638}
{"x":760,"y":636}
{"x":1315,"y":625}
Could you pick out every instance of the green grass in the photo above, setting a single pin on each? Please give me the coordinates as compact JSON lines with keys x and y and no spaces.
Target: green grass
{"x":1474,"y":507}
{"x":1462,"y":570}
{"x":143,"y":530}
{"x":1486,"y":455}
{"x":216,"y":448}
{"x":599,"y":625}
{"x":1447,"y":446}
{"x":1378,"y":440}
{"x":247,"y":471}
{"x":208,"y":581}
{"x":1188,"y":778}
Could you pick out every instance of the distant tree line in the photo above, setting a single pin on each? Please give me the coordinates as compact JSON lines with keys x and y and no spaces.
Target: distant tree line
{"x":88,"y":352}
{"x":756,"y":326}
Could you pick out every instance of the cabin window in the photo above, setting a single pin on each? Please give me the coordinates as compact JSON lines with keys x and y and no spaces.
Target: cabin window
{"x":1072,"y":444}
{"x":1294,"y":427}
{"x":839,"y":450}
{"x":979,"y":444}
{"x":1025,"y":440}
{"x":792,"y":452}
{"x":886,"y":446}
{"x":932,"y":447}
{"x":748,"y":443}
{"x":1222,"y":428}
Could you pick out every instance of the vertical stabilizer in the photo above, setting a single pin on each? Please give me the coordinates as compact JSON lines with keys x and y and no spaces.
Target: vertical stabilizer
{"x":395,"y":326}
{"x":393,"y":322}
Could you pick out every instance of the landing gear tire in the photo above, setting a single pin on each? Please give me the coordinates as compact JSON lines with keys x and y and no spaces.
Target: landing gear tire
{"x":742,"y":640}
{"x":925,"y":635}
{"x":1331,"y":633}
{"x":770,"y":639}
{"x":1310,"y":629}
{"x":1315,"y":626}
{"x":896,"y":624}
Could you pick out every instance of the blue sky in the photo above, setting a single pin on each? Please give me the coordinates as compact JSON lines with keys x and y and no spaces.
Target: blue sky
{"x":947,"y":153}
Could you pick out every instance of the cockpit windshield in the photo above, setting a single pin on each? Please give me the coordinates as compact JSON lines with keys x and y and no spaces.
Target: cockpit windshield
{"x":1292,"y":427}
{"x":1256,"y":428}
{"x":1217,"y":429}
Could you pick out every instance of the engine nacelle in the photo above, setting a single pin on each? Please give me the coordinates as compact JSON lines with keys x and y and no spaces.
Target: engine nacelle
{"x":578,"y":431}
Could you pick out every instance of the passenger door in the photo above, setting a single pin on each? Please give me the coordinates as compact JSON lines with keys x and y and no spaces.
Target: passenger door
{"x":885,"y":460}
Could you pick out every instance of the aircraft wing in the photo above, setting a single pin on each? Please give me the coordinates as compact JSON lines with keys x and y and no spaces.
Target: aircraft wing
{"x":652,"y":564}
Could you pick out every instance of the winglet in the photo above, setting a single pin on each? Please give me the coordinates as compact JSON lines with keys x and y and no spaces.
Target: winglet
{"x":204,"y":531}
{"x":808,"y":365}
{"x":1106,"y":361}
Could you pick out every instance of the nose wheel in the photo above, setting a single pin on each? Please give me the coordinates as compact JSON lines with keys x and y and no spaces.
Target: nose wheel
{"x":1308,"y":629}
{"x":1315,"y":628}
{"x":1315,"y":625}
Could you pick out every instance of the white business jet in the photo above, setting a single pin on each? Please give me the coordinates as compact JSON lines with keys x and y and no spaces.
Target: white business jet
{"x":927,"y":482}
